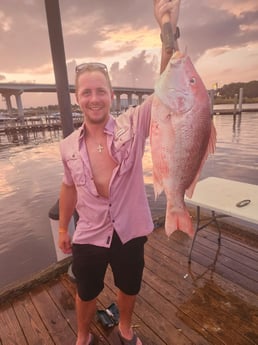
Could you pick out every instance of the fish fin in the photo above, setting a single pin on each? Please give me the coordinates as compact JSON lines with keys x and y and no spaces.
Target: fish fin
{"x":178,"y":219}
{"x":210,"y":149}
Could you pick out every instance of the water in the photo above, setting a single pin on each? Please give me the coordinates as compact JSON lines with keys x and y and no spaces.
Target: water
{"x":30,"y":177}
{"x":236,"y":155}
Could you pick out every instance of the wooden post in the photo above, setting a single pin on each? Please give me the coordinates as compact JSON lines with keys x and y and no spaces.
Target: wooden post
{"x":241,"y":93}
{"x":235,"y":104}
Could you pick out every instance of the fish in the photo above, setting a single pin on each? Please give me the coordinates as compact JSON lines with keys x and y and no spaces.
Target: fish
{"x":182,"y":136}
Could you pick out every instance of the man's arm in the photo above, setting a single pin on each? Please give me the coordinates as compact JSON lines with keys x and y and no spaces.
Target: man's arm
{"x":67,"y":202}
{"x":169,"y":9}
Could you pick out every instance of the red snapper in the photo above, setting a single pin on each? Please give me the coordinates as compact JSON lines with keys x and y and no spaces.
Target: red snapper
{"x":182,"y":135}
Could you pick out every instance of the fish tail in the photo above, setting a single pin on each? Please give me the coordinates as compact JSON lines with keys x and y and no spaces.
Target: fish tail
{"x":158,"y":187}
{"x":178,"y":219}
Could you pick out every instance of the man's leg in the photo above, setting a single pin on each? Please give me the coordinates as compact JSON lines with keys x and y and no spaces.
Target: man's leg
{"x":89,"y":267}
{"x":85,"y":311}
{"x":127,"y":263}
{"x":126,"y":306}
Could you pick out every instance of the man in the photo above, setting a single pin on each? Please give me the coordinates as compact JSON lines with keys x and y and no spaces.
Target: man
{"x":103,"y":180}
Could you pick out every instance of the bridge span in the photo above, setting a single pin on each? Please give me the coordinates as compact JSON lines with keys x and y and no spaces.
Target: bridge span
{"x":7,"y":90}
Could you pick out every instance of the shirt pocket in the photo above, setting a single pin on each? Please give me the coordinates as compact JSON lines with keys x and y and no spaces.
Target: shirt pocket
{"x":76,"y":167}
{"x":124,"y":150}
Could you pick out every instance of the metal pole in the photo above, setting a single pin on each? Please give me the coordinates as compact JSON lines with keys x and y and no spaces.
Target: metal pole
{"x":59,"y":63}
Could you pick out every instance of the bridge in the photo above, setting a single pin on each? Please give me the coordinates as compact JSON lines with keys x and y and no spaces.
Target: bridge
{"x":7,"y":90}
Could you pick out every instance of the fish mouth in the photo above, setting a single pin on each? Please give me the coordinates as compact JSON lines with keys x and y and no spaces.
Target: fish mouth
{"x":178,"y":57}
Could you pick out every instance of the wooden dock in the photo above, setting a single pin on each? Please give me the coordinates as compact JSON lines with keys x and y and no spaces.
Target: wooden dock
{"x":19,"y":128}
{"x":212,"y":301}
{"x":36,"y":124}
{"x":226,"y":111}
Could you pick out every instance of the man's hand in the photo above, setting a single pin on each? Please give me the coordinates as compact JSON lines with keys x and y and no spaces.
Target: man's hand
{"x":163,"y":8}
{"x":64,"y":243}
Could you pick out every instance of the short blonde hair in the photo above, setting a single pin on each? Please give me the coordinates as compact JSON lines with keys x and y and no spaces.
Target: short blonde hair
{"x":91,"y":67}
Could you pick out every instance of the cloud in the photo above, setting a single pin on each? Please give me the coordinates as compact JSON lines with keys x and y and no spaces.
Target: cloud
{"x":124,"y":39}
{"x":139,"y":71}
{"x":5,"y":22}
{"x":25,"y":43}
{"x":235,"y":6}
{"x":217,"y":25}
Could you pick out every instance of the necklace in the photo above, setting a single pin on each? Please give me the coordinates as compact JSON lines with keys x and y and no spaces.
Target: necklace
{"x":100,"y":148}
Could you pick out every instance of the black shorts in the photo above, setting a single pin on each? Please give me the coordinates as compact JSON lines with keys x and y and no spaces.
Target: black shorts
{"x":90,"y":263}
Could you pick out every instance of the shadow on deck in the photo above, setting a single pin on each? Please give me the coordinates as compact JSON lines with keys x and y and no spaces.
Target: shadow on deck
{"x":212,"y":301}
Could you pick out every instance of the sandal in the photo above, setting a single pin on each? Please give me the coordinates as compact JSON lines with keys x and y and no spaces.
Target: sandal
{"x":124,"y":341}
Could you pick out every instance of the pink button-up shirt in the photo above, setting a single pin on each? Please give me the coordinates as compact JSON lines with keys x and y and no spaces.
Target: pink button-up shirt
{"x":126,"y":210}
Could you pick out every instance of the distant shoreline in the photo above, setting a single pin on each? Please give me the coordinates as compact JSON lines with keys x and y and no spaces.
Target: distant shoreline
{"x":220,"y":100}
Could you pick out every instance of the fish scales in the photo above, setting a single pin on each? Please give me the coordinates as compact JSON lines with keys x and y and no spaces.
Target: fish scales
{"x":182,"y":135}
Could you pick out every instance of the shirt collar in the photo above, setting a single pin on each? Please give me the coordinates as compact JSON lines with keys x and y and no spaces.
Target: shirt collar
{"x":110,"y":126}
{"x":109,"y":129}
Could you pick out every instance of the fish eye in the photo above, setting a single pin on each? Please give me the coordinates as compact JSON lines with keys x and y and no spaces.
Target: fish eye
{"x":193,"y":80}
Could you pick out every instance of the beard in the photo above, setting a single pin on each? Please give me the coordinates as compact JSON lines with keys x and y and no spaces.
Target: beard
{"x":96,"y":119}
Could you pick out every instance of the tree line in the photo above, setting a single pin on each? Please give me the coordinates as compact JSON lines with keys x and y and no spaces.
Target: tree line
{"x":229,"y":90}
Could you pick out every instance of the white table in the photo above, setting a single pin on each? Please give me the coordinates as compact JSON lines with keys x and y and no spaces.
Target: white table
{"x":224,"y":198}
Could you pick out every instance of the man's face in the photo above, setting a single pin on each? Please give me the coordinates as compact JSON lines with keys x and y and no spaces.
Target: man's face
{"x":94,"y":96}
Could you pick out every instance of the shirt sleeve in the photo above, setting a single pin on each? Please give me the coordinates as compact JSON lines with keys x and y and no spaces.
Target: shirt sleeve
{"x":67,"y":177}
{"x":144,"y":116}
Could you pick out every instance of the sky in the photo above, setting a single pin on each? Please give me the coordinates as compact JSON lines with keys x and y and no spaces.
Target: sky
{"x":220,"y":36}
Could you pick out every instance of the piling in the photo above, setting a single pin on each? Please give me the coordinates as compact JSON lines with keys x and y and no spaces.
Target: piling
{"x":240,"y":102}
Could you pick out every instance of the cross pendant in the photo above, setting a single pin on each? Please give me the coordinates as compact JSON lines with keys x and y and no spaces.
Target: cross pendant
{"x":100,"y":148}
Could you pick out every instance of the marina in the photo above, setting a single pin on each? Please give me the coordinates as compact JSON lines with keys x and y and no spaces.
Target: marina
{"x":24,"y":122}
{"x":16,"y":129}
{"x":17,"y":132}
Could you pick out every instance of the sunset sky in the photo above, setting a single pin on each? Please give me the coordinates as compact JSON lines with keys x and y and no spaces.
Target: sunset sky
{"x":221,"y":37}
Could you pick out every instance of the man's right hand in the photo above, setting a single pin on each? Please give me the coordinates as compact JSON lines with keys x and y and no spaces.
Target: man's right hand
{"x":64,"y":243}
{"x":162,"y":7}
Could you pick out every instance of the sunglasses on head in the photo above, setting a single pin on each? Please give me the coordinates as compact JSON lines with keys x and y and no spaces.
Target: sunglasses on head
{"x":88,"y":65}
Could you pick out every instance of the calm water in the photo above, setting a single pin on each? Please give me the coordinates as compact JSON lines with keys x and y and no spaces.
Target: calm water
{"x":30,"y":177}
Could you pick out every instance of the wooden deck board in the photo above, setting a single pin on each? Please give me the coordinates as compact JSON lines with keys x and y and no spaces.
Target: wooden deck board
{"x":212,"y":301}
{"x":11,"y":332}
{"x":57,"y":326}
{"x":30,"y":322}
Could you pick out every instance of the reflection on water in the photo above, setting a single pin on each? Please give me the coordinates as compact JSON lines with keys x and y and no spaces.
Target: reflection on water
{"x":236,"y":154}
{"x":236,"y":127}
{"x":30,"y":177}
